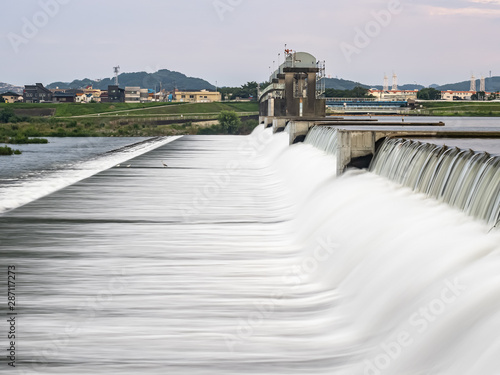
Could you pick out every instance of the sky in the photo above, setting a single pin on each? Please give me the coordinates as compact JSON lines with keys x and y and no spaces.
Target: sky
{"x":231,"y":42}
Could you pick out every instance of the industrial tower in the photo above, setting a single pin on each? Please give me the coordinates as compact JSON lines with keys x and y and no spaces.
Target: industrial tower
{"x":473,"y":83}
{"x":386,"y":83}
{"x":483,"y":84}
{"x":394,"y":82}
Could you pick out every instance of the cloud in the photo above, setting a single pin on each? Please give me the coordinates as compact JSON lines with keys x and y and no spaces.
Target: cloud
{"x":471,"y":12}
{"x":494,"y":2}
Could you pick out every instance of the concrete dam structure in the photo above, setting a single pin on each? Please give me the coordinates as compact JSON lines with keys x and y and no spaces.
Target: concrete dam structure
{"x":258,"y":254}
{"x":294,"y":103}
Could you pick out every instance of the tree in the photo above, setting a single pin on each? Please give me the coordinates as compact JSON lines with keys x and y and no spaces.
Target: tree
{"x":229,"y":122}
{"x":429,"y":94}
{"x":481,"y":95}
{"x":246,"y":91}
{"x":2,"y":100}
{"x":7,"y":115}
{"x":356,"y":92}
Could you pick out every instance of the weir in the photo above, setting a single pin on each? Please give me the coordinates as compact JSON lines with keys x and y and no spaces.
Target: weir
{"x":465,"y":179}
{"x":247,"y":256}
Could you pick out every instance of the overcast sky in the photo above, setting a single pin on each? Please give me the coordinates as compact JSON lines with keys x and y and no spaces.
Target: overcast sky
{"x":235,"y":41}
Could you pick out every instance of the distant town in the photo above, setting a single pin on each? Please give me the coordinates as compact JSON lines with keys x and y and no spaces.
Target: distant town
{"x":37,"y":93}
{"x":114,"y":94}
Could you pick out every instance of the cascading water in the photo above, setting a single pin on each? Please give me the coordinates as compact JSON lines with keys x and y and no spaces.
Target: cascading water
{"x":323,"y":138}
{"x":249,"y":256}
{"x":467,"y":180}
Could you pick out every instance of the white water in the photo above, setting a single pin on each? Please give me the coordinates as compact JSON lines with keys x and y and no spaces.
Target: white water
{"x":25,"y":191}
{"x":286,"y":269}
{"x":464,"y":179}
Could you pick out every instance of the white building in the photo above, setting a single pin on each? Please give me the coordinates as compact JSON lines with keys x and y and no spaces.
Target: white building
{"x":394,"y":95}
{"x":134,"y":94}
{"x":458,"y":95}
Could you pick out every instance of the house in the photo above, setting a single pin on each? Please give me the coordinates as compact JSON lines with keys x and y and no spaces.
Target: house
{"x":36,"y":94}
{"x":136,"y":95}
{"x":63,"y":97}
{"x":115,"y":94}
{"x":84,"y":98}
{"x":104,"y":98}
{"x":95,"y":94}
{"x":145,"y":96}
{"x":451,"y":95}
{"x":203,"y":96}
{"x":11,"y":97}
{"x":132,"y":94}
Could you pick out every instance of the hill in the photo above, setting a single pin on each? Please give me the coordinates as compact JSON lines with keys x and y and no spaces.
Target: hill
{"x":342,"y":84}
{"x":165,"y":78}
{"x":492,"y":84}
{"x":5,"y":87}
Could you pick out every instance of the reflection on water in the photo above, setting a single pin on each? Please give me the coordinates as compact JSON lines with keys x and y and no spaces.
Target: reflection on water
{"x":246,"y":256}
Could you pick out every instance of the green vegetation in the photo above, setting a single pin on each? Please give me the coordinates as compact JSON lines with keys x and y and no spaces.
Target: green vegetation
{"x":196,"y":109}
{"x":246,"y":91}
{"x":429,"y":94}
{"x":166,"y":78}
{"x":125,"y":109}
{"x":461,"y":108}
{"x":5,"y":150}
{"x":7,"y":115}
{"x":21,"y":139}
{"x":120,"y":119}
{"x":356,"y":92}
{"x":230,"y":123}
{"x":78,"y":109}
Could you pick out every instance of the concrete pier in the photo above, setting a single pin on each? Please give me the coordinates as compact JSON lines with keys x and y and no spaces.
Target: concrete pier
{"x":357,"y":145}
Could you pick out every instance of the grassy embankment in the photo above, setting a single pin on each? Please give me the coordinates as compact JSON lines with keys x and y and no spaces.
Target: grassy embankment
{"x":120,"y":119}
{"x":465,"y":109}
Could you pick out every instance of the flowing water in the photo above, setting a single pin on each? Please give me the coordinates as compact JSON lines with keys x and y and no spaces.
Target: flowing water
{"x":247,"y":256}
{"x":45,"y":168}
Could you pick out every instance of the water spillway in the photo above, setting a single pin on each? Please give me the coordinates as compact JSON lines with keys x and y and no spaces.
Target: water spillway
{"x":464,"y":179}
{"x":250,"y":256}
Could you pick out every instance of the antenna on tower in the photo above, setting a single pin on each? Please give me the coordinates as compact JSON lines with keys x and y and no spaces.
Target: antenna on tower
{"x":473,"y":83}
{"x":483,"y":84}
{"x":320,"y":79}
{"x":386,"y":82}
{"x":394,"y":82}
{"x":116,"y":69}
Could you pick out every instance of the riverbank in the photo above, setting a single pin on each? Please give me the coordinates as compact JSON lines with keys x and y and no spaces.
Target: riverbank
{"x":458,"y":108}
{"x":122,"y":120}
